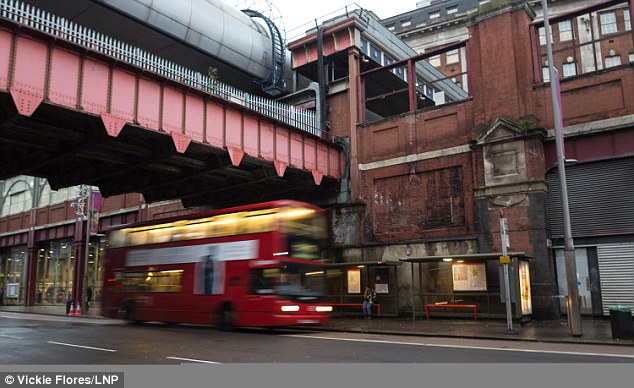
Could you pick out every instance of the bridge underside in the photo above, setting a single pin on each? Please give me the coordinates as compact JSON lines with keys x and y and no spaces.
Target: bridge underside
{"x":70,"y":148}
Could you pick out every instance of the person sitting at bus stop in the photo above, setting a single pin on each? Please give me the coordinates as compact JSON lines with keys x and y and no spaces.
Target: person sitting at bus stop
{"x":368,"y":301}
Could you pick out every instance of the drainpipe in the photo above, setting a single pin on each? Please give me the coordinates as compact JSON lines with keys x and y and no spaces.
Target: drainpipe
{"x":321,"y":79}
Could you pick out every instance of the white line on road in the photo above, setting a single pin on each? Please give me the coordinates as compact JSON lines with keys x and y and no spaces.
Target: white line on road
{"x":192,"y":360}
{"x":81,"y":346}
{"x":11,"y":337}
{"x":462,"y":346}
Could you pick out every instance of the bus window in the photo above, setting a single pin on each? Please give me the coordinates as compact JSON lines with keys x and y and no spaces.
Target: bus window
{"x":304,"y":229}
{"x":225,"y":225}
{"x":149,"y":281}
{"x":137,"y":237}
{"x":117,"y":238}
{"x":291,"y":280}
{"x":263,"y":281}
{"x":159,"y":235}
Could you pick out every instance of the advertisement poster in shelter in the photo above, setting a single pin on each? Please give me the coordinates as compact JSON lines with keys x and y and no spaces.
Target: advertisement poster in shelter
{"x":469,"y":277}
{"x":525,"y":288}
{"x":354,"y":281}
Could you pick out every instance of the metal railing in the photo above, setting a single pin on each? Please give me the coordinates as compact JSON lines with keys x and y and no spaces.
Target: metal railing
{"x":64,"y":29}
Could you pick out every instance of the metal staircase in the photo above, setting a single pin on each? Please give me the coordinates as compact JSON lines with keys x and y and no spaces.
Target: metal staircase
{"x":275,"y":81}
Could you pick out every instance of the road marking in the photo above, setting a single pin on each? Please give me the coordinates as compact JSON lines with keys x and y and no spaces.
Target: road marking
{"x":11,"y":337}
{"x":81,"y":346}
{"x":462,"y":346}
{"x":192,"y":360}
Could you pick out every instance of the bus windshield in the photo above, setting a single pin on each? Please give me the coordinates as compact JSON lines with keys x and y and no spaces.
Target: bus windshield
{"x":304,"y":229}
{"x":294,"y":281}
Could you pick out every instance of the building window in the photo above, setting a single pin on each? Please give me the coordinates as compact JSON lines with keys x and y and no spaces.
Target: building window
{"x":612,"y":61}
{"x":406,"y":23}
{"x":434,"y":61}
{"x":626,"y":19}
{"x":542,"y":34}
{"x":570,"y":69}
{"x":364,"y":46}
{"x":390,"y":27}
{"x":452,"y":10}
{"x":17,"y":202}
{"x":565,"y":31}
{"x":434,"y":15}
{"x":608,"y":23}
{"x":631,"y":57}
{"x":545,"y":74}
{"x":452,"y":56}
{"x":375,"y":54}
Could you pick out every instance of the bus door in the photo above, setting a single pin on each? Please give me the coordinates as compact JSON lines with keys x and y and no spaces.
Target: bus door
{"x":260,"y":297}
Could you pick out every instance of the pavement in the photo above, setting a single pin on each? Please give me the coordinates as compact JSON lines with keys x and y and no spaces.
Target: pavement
{"x":593,"y":330}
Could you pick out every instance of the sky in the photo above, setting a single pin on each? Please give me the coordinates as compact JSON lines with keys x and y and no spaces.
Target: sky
{"x":301,"y":13}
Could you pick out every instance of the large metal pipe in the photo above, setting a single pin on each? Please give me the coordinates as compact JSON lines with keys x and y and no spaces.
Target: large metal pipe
{"x":195,"y":33}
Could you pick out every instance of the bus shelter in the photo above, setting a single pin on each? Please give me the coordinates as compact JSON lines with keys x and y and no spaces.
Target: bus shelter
{"x":347,"y":282}
{"x":469,"y":285}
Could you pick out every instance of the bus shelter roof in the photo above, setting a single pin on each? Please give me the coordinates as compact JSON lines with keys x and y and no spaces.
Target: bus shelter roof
{"x":466,"y":256}
{"x":366,"y":263}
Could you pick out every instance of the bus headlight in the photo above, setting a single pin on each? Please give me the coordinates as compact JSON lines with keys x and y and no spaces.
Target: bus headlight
{"x":290,"y":308}
{"x":323,"y":309}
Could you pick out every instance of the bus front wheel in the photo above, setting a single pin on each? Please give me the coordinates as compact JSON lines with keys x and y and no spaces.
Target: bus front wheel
{"x":226,"y":317}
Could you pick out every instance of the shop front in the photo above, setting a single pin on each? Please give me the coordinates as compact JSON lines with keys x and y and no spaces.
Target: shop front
{"x":55,"y":271}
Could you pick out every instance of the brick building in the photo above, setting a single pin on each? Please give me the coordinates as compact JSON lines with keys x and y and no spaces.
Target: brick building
{"x":431,"y":166}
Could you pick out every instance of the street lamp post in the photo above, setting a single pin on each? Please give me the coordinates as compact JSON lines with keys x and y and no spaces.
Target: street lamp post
{"x":574,"y":314}
{"x":84,"y":289}
{"x":83,"y":209}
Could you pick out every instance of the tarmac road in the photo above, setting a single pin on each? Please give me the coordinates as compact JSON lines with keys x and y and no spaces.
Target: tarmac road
{"x":40,"y":339}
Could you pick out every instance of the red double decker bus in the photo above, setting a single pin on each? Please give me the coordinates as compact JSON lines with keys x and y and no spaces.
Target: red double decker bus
{"x":254,"y":265}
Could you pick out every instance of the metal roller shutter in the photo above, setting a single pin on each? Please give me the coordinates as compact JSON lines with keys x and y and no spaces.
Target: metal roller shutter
{"x":600,"y":197}
{"x":616,"y":270}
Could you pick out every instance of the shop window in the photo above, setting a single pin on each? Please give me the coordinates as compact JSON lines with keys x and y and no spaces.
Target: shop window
{"x":608,"y":23}
{"x":55,"y":267}
{"x":565,"y":31}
